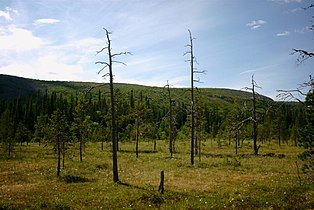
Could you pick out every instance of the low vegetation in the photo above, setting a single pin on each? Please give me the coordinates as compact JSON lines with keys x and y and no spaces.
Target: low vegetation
{"x":219,"y":180}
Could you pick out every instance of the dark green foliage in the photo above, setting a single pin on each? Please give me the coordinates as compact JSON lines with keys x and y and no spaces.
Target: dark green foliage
{"x":57,"y":133}
{"x":82,"y":124}
{"x":146,"y":105}
{"x":7,"y":133}
{"x":306,"y":139}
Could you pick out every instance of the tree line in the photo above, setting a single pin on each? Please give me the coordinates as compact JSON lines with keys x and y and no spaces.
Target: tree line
{"x":86,"y":116}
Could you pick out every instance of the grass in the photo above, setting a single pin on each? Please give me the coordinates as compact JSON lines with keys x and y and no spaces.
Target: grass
{"x":221,"y":180}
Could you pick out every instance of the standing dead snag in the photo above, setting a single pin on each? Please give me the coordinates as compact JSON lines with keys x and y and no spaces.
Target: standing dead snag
{"x":170,"y":121}
{"x":192,"y":60}
{"x":162,"y":182}
{"x":254,"y":85}
{"x":108,"y":65}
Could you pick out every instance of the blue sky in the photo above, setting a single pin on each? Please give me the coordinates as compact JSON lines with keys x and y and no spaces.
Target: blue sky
{"x":58,"y":40}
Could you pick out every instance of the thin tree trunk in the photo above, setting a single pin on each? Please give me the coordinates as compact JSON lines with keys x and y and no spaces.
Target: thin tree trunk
{"x":170,"y":129}
{"x":155,"y":144}
{"x":81,"y":155}
{"x":162,"y":181}
{"x":236,"y":141}
{"x":9,"y":149}
{"x":63,"y":153}
{"x":113,"y":117}
{"x":59,"y":156}
{"x":254,"y":119}
{"x":192,"y":98}
{"x":137,"y":133}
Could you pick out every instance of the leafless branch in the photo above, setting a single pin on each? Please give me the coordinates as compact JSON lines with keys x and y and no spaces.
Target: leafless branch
{"x":104,"y":48}
{"x":102,"y":62}
{"x":199,"y":72}
{"x":198,"y":80}
{"x":303,"y":55}
{"x":195,"y":60}
{"x":120,"y":62}
{"x":187,"y":52}
{"x":121,"y":53}
{"x":310,"y":6}
{"x":302,"y":90}
{"x":97,"y":86}
{"x":256,"y":85}
{"x":106,"y":75}
{"x":247,"y":88}
{"x":287,"y":96}
{"x":102,"y":69}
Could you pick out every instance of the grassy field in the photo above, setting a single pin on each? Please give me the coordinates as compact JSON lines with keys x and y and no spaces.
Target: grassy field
{"x":221,"y":180}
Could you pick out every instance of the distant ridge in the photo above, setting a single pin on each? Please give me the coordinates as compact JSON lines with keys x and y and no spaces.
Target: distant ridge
{"x":13,"y":87}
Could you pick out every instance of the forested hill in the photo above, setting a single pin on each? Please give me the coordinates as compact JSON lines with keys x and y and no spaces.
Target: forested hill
{"x":26,"y":105}
{"x":13,"y":87}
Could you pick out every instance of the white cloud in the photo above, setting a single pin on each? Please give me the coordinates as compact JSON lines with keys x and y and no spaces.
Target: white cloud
{"x":254,"y":24}
{"x":6,"y":15}
{"x":47,"y":67}
{"x":285,"y":33}
{"x":24,"y":54}
{"x":9,"y":9}
{"x":46,"y":21}
{"x":18,"y":39}
{"x":257,"y":69}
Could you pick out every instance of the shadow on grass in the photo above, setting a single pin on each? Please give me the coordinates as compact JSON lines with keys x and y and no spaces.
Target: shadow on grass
{"x":74,"y":179}
{"x":141,"y":151}
{"x":152,"y":197}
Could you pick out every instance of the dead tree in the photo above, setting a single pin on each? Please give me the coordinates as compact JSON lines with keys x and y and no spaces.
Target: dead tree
{"x":254,"y":85}
{"x":108,"y":65}
{"x":193,"y":70}
{"x":170,"y":121}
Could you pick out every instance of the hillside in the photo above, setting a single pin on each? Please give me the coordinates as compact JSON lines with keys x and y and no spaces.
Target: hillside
{"x":13,"y":87}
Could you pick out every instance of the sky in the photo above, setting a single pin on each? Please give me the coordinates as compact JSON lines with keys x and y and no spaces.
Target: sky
{"x":234,"y":39}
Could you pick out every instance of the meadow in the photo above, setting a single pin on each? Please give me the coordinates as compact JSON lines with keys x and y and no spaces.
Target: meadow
{"x":219,"y":180}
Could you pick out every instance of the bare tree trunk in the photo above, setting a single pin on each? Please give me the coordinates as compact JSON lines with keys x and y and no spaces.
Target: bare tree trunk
{"x":162,"y":181}
{"x":254,"y":118}
{"x":59,"y":156}
{"x":63,"y":153}
{"x":81,"y":155}
{"x":199,"y":149}
{"x":113,"y":117}
{"x":192,"y":98}
{"x":155,"y":145}
{"x":170,"y":122}
{"x":9,"y":149}
{"x":236,"y":141}
{"x":136,"y":136}
{"x":171,"y":131}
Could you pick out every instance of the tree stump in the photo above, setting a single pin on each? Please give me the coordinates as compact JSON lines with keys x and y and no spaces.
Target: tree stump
{"x":162,"y":180}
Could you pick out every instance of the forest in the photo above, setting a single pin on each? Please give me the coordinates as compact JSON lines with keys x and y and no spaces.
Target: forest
{"x":56,"y":148}
{"x":142,"y":112}
{"x":85,"y":145}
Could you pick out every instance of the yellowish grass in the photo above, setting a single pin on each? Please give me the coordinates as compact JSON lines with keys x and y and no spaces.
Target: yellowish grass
{"x":220,"y":177}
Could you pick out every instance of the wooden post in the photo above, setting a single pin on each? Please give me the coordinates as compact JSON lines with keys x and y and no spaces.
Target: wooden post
{"x":162,"y":180}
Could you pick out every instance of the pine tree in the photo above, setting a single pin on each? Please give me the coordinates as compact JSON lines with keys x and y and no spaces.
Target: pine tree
{"x":58,"y":134}
{"x":81,"y":126}
{"x":306,"y":139}
{"x":7,"y":133}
